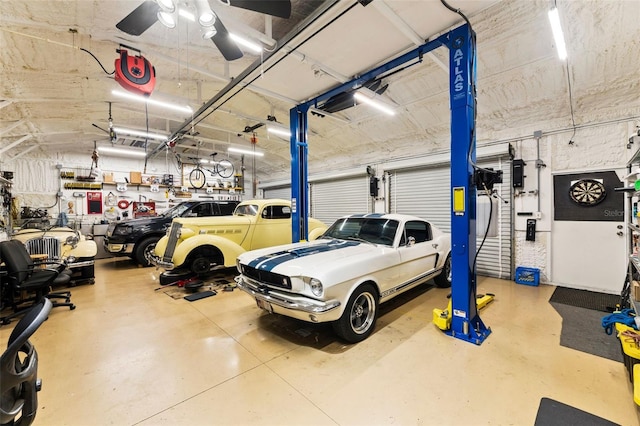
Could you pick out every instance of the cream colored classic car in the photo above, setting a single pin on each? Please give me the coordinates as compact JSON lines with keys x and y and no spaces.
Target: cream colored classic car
{"x":201,"y":244}
{"x":62,"y":244}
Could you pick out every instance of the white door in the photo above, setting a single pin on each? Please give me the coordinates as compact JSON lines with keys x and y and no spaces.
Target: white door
{"x":589,"y":235}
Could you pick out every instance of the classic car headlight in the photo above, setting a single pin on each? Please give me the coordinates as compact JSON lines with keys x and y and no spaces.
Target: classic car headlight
{"x":72,"y":241}
{"x":185,"y":233}
{"x":316,"y":287}
{"x":123,"y":230}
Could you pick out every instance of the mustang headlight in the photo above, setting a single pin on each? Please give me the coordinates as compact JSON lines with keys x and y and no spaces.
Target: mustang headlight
{"x":316,"y":287}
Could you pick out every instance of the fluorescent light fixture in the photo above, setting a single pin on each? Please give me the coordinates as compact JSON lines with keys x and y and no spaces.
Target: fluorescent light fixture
{"x":245,"y":151}
{"x":554,"y":18}
{"x":122,"y":151}
{"x":132,"y":132}
{"x":185,"y":109}
{"x":246,"y":43}
{"x":279,"y":131}
{"x":186,"y":14}
{"x":378,"y":105}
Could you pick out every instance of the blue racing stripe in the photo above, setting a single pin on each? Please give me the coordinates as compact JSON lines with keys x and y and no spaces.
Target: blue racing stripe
{"x":270,"y":261}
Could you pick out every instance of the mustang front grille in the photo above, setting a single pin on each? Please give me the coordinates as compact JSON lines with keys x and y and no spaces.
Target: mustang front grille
{"x":47,"y":245}
{"x":174,"y":233}
{"x":266,"y":277}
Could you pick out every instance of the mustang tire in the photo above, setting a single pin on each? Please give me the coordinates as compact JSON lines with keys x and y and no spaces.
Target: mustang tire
{"x":359,"y":317}
{"x":444,"y":279}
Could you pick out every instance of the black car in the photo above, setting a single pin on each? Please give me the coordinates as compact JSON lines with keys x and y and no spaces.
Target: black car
{"x":135,"y":236}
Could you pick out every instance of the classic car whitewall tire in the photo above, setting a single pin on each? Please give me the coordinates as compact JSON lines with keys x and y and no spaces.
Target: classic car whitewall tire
{"x":444,"y":279}
{"x":359,"y":317}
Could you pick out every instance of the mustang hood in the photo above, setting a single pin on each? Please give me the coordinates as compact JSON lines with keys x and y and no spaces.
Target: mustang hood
{"x":293,"y":258}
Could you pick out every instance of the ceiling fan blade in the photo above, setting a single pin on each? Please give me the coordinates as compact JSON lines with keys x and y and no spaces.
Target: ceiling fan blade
{"x":139,"y":21}
{"x":279,"y":8}
{"x":223,"y":42}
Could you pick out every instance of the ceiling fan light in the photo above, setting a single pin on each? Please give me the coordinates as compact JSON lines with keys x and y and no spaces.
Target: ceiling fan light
{"x":209,"y":32}
{"x":167,"y":19}
{"x":207,"y":18}
{"x":166,"y":5}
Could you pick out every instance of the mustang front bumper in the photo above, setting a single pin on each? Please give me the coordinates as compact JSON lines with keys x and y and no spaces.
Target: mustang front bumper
{"x":291,"y":305}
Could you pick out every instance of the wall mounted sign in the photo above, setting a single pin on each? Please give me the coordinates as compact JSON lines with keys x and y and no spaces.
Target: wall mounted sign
{"x":94,"y":202}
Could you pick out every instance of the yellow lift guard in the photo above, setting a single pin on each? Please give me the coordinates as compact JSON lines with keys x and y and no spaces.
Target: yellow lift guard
{"x":442,"y":318}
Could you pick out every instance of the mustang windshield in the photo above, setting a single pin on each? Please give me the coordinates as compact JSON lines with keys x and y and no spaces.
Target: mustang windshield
{"x":372,"y":230}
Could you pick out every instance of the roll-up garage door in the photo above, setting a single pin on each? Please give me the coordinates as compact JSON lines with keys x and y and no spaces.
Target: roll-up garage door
{"x":283,"y":192}
{"x":426,"y":192}
{"x":332,"y":199}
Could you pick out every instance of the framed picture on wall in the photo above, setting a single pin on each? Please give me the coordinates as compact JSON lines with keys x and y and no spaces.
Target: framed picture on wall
{"x":94,"y":202}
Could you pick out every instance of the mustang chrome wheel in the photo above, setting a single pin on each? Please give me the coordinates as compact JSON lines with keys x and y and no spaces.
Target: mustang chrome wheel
{"x":359,"y":317}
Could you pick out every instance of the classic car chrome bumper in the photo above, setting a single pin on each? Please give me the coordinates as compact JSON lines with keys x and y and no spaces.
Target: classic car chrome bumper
{"x":295,"y":306}
{"x":157,"y":261}
{"x":80,"y":264}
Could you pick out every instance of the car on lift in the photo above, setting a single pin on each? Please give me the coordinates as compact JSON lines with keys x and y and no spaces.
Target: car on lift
{"x":62,"y":244}
{"x":199,"y":245}
{"x":134,"y":237}
{"x":343,"y":276}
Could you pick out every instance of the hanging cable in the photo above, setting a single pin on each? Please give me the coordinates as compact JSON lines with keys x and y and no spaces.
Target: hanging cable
{"x":146,"y":138}
{"x":573,"y":120}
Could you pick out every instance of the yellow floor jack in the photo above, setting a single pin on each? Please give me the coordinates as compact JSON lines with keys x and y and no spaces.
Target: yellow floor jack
{"x":442,"y":319}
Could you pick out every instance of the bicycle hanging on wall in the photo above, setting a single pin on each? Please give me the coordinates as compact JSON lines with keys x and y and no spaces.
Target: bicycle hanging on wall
{"x":198,"y":176}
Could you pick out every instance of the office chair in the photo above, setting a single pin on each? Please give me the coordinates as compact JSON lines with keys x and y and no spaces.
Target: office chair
{"x":24,"y":275}
{"x":19,"y":369}
{"x":19,"y":382}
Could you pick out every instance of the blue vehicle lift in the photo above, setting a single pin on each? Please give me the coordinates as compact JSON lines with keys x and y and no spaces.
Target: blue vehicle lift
{"x":465,"y":322}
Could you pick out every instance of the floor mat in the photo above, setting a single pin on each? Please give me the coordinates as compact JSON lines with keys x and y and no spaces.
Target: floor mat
{"x":585,"y":299}
{"x":582,"y":330}
{"x":554,"y":413}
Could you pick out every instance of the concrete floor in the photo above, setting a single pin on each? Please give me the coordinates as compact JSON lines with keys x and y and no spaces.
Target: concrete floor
{"x":129,"y":355}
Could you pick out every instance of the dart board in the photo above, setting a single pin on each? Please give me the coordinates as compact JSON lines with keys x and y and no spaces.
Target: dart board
{"x":587,"y":192}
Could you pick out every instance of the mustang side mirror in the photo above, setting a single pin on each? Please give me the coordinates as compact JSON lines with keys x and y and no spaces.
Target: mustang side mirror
{"x":411,"y":241}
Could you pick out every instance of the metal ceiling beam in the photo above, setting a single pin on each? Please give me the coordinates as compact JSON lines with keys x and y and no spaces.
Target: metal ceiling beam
{"x":405,"y":29}
{"x":15,"y":143}
{"x":5,"y":103}
{"x":11,"y":127}
{"x":20,"y":154}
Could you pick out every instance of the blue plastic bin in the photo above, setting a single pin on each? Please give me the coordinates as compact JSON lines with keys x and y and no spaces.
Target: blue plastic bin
{"x":527,"y":276}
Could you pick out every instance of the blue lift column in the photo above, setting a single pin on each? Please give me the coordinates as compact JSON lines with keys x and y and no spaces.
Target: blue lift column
{"x":465,"y":321}
{"x":299,"y":178}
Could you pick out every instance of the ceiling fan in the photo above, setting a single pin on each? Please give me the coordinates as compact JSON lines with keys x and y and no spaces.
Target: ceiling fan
{"x":165,"y":11}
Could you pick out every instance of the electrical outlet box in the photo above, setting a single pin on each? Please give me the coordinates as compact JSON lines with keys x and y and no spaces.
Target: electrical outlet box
{"x":537,"y":215}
